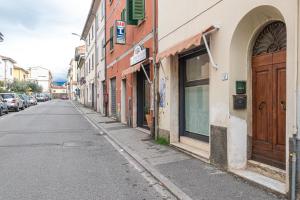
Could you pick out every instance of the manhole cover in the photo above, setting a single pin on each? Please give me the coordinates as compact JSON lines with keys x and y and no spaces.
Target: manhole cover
{"x":78,"y":144}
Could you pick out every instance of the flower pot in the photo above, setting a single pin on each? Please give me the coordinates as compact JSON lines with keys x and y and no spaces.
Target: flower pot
{"x":149,"y":120}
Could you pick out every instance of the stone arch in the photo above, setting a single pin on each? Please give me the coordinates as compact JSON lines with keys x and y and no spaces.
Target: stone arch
{"x":241,"y":46}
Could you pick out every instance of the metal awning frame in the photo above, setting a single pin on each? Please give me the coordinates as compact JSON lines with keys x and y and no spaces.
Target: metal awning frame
{"x":216,"y":28}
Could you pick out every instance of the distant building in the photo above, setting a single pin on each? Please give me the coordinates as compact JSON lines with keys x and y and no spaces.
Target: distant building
{"x":42,"y":76}
{"x":20,"y":74}
{"x":6,"y":69}
{"x":58,"y":91}
{"x":72,"y":80}
{"x":81,"y":81}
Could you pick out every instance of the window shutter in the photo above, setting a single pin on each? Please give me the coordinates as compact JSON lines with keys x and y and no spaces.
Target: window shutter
{"x":129,"y":13}
{"x":111,"y":38}
{"x":123,"y":15}
{"x":138,"y":9}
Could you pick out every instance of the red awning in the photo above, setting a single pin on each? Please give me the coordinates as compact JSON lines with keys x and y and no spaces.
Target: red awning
{"x":131,"y":70}
{"x":184,"y":45}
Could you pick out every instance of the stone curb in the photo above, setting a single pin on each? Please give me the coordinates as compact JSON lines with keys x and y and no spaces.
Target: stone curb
{"x":176,"y":191}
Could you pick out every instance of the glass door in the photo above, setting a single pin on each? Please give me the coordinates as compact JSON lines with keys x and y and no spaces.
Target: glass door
{"x":194,"y":92}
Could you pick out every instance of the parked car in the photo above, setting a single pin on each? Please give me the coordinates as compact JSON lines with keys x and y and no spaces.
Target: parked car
{"x":48,"y":97}
{"x":25,"y":99}
{"x":14,"y":102}
{"x":3,"y":106}
{"x":32,"y":100}
{"x":40,"y":97}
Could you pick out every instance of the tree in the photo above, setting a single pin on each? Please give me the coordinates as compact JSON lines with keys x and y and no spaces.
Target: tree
{"x":24,"y":87}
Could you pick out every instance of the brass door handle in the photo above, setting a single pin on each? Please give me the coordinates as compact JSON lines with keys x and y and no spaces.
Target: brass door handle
{"x":261,"y":105}
{"x":283,"y":105}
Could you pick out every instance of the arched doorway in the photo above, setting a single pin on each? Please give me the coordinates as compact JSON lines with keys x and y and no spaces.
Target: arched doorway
{"x":269,"y":95}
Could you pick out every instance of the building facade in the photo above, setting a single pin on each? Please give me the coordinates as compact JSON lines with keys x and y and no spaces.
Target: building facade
{"x":6,"y":69}
{"x":224,"y":94}
{"x":72,"y":80}
{"x":42,"y":76}
{"x":20,"y":74}
{"x":81,"y":80}
{"x":100,"y":57}
{"x":59,"y":92}
{"x":129,"y":47}
{"x":89,"y":35}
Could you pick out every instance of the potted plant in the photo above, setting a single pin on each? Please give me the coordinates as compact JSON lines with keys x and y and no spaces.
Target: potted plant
{"x":148,"y":117}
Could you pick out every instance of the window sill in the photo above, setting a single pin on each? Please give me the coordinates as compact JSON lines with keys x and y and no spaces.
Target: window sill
{"x":141,"y":22}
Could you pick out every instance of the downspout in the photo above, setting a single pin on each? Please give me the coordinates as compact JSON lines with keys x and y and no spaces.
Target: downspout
{"x":155,"y":82}
{"x":96,"y":64}
{"x":294,"y":155}
{"x":105,"y":96}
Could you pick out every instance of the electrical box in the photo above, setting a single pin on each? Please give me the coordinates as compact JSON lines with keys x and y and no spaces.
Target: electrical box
{"x":239,"y":102}
{"x":240,"y":87}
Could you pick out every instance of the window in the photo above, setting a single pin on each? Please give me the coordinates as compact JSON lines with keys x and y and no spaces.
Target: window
{"x":93,"y":62}
{"x":135,"y":11}
{"x":11,"y":71}
{"x":97,"y":55}
{"x":97,"y":22}
{"x":102,"y":9}
{"x":194,"y":87}
{"x":103,"y":49}
{"x":92,"y":32}
{"x":111,"y":38}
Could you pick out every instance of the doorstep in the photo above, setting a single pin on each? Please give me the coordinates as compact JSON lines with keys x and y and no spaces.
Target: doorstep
{"x":195,"y":148}
{"x":143,"y":130}
{"x":267,"y":170}
{"x":260,"y":179}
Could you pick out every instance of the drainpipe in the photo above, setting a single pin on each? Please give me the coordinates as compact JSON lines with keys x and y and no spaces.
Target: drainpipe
{"x":294,"y":155}
{"x":155,"y":82}
{"x":105,"y":104}
{"x":96,"y":64}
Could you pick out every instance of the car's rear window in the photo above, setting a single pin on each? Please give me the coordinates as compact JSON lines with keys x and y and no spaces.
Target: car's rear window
{"x":7,"y":96}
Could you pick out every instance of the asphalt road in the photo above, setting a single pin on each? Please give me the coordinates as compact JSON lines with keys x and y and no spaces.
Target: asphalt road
{"x":51,"y":152}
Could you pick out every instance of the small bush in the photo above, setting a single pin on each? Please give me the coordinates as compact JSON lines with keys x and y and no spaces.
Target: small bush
{"x":162,"y":141}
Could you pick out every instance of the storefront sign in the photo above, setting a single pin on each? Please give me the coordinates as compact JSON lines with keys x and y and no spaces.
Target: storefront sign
{"x":120,"y":32}
{"x":140,"y":54}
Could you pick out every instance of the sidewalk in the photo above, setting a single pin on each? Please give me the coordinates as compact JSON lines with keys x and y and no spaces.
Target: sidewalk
{"x":185,"y":176}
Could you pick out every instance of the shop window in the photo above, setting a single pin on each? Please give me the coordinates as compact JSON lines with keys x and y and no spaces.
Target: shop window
{"x":194,"y":89}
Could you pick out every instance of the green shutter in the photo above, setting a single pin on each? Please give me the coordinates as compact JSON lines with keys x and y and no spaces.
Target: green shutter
{"x":129,"y":13}
{"x":138,"y":9}
{"x":111,"y":42}
{"x":123,"y":15}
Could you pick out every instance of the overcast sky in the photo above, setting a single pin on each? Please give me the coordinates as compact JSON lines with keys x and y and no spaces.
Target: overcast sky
{"x":38,"y":32}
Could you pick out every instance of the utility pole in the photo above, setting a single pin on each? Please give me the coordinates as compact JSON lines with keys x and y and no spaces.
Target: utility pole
{"x":155,"y":82}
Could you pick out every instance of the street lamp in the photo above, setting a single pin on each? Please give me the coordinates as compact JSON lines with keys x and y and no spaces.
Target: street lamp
{"x":76,"y":34}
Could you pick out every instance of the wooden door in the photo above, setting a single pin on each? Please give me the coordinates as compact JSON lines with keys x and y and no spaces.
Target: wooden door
{"x":269,"y":108}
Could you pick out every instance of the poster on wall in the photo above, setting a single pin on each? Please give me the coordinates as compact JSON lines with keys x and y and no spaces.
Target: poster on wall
{"x":162,"y":92}
{"x":120,"y":32}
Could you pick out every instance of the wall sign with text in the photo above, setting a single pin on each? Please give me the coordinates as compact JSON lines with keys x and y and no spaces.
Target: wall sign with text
{"x":120,"y":32}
